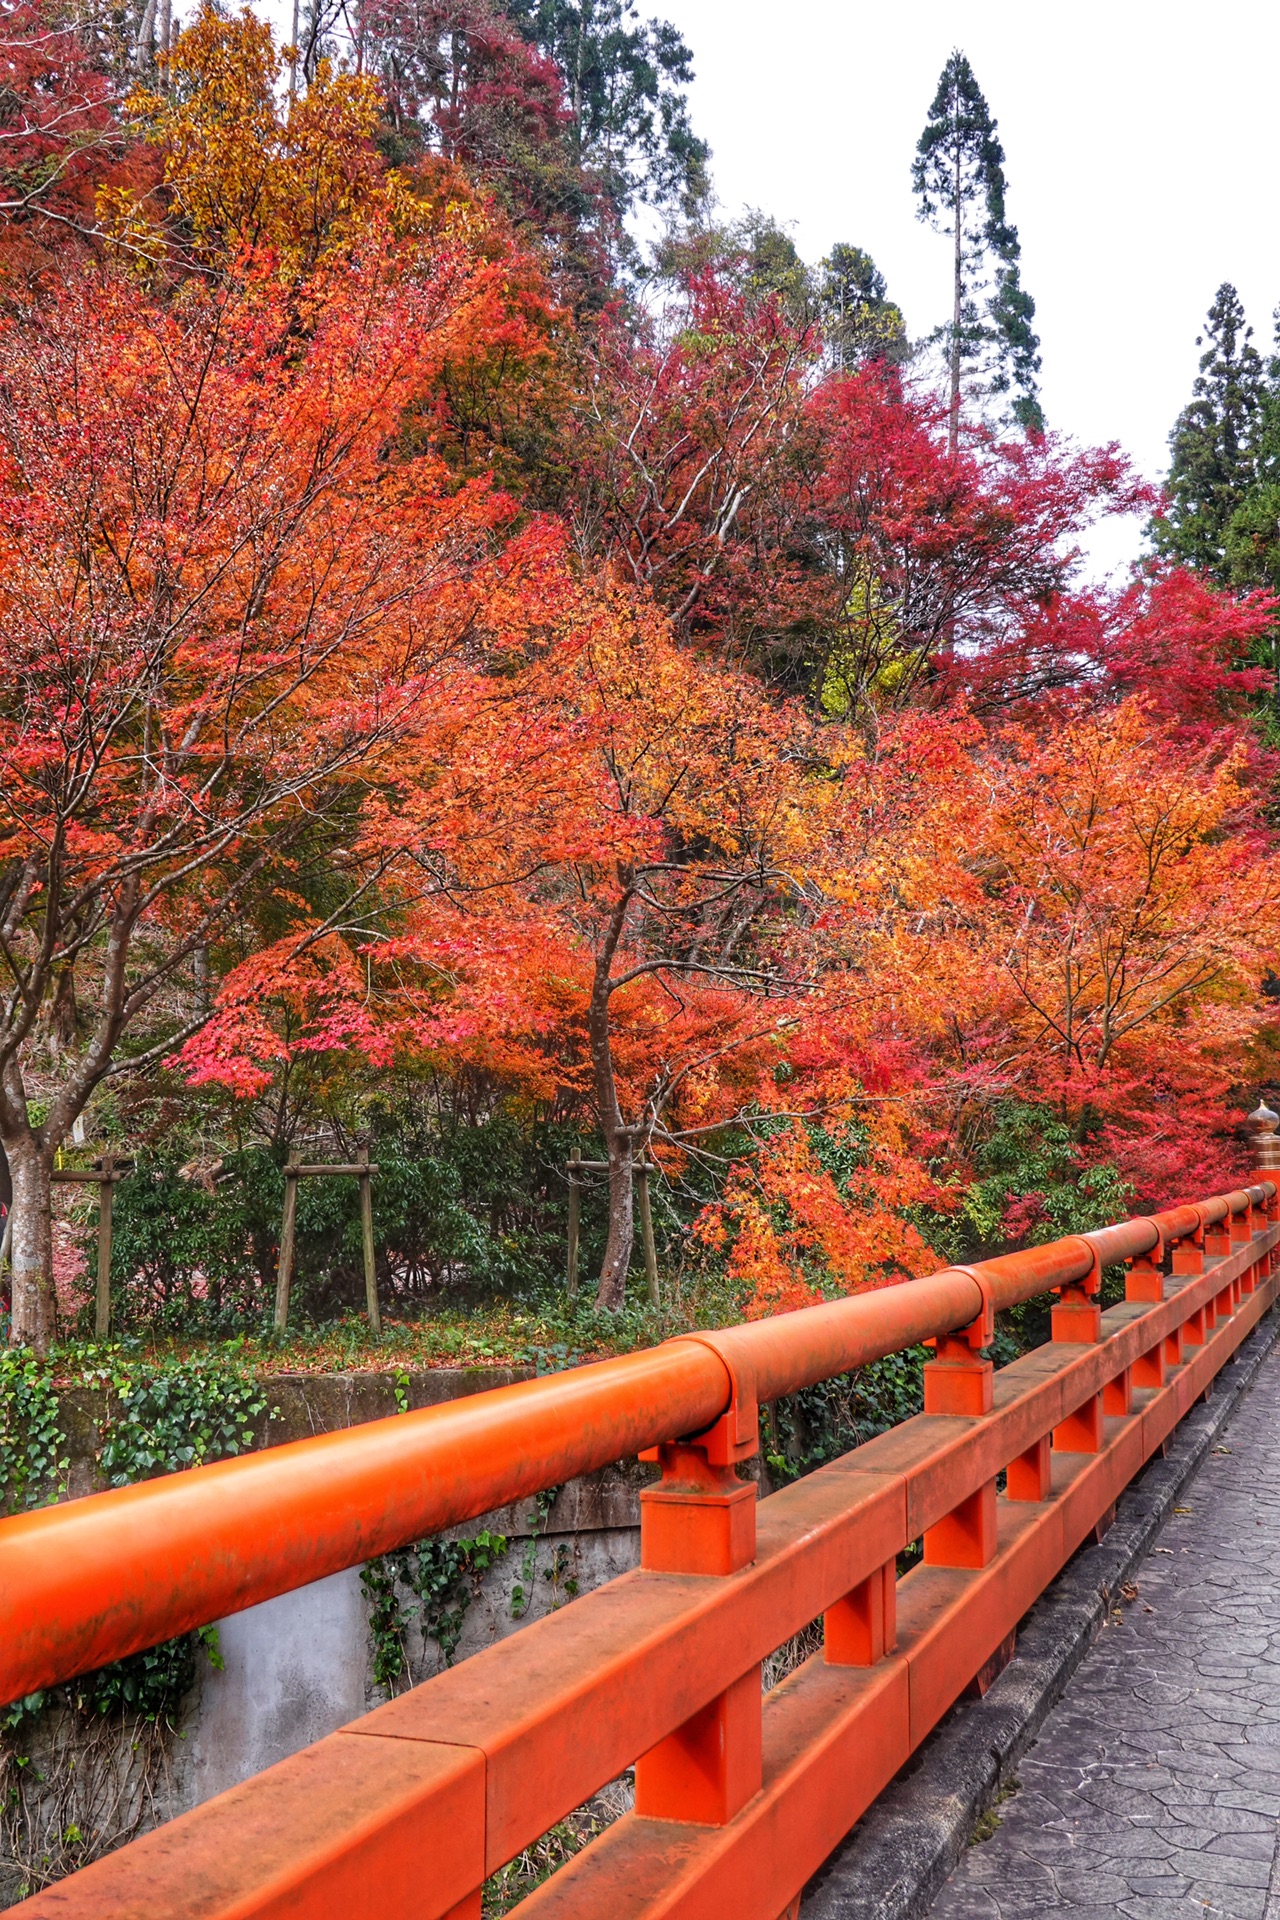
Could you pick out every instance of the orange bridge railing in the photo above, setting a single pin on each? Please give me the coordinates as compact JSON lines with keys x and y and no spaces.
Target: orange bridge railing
{"x":739,"y":1796}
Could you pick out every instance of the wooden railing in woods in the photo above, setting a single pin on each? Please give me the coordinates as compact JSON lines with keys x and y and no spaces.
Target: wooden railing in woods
{"x":362,"y":1169}
{"x":738,"y":1796}
{"x":106,"y":1173}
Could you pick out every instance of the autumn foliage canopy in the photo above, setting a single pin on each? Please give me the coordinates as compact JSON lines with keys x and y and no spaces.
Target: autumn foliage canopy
{"x":416,"y":663}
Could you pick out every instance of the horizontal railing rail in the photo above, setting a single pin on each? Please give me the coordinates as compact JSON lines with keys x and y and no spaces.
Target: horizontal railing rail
{"x":409,"y":1809}
{"x":96,"y":1579}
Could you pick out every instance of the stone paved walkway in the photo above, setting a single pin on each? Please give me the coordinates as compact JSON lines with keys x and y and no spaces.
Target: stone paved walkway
{"x":1154,"y":1788}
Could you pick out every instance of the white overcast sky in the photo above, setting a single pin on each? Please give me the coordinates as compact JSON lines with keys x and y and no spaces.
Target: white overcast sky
{"x":1140,"y":144}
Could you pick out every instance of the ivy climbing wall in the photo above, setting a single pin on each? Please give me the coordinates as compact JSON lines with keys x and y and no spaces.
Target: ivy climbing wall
{"x":88,"y":1766}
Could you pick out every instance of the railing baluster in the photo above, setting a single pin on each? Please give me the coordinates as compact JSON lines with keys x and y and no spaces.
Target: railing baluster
{"x":1029,"y":1476}
{"x":1077,"y":1321}
{"x":701,"y":1519}
{"x":959,"y":1382}
{"x":863,"y":1627}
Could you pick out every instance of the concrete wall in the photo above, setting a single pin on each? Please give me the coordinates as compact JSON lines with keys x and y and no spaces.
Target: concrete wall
{"x":298,"y":1667}
{"x":294,"y":1669}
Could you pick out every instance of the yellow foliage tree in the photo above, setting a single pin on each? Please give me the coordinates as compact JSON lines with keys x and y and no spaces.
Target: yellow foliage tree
{"x":246,"y":169}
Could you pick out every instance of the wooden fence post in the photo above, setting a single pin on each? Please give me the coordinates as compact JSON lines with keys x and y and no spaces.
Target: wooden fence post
{"x":366,"y":1230}
{"x":284,"y":1266}
{"x":361,"y":1168}
{"x":576,"y":1168}
{"x":646,"y":1234}
{"x":102,"y":1302}
{"x":575,"y":1202}
{"x":103,"y":1174}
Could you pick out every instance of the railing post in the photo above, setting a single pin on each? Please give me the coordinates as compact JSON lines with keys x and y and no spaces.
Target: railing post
{"x":1077,"y":1321}
{"x":959,"y":1382}
{"x":701,"y":1519}
{"x":1244,"y":1283}
{"x":1188,"y":1253}
{"x":1144,"y":1282}
{"x":863,"y":1627}
{"x":1188,"y":1258}
{"x":1235,"y":1231}
{"x":1029,"y":1477}
{"x":1258,"y":1269}
{"x":1262,"y":1124}
{"x":1117,"y":1394}
{"x":1081,"y":1431}
{"x":1077,"y":1318}
{"x":1240,"y":1226}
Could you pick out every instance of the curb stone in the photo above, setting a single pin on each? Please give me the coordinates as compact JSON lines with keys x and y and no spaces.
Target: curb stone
{"x":895,"y":1861}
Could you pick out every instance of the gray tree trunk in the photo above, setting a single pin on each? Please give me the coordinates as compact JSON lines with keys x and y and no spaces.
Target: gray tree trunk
{"x":619,"y":1139}
{"x":957,"y":309}
{"x":34,"y":1318}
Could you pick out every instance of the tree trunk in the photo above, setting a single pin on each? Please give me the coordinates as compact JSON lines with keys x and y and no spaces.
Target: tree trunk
{"x":142,"y":49}
{"x":612,"y":1291}
{"x":455,"y":92}
{"x":34,"y":1319}
{"x":293,"y":63}
{"x":957,"y":309}
{"x":618,"y":1138}
{"x":576,"y":94}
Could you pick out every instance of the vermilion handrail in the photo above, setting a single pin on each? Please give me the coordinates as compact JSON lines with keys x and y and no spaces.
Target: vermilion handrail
{"x":739,"y":1793}
{"x":95,"y":1579}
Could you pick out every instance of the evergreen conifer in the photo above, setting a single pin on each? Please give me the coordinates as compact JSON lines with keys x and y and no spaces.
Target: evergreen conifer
{"x":958,"y":175}
{"x":859,"y":320}
{"x":1215,"y":448}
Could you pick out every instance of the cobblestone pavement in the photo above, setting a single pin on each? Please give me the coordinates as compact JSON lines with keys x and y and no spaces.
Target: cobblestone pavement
{"x":1153,"y":1790}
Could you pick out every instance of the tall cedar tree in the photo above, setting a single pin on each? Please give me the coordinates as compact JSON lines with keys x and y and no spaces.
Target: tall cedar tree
{"x":1253,"y":532}
{"x":958,"y":175}
{"x":1213,"y":444}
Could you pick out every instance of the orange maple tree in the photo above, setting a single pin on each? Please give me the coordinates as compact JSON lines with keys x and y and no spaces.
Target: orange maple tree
{"x":223,"y":603}
{"x":617,"y":847}
{"x":1128,"y":911}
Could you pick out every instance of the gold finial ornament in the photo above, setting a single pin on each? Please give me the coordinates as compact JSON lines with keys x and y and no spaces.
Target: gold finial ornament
{"x":1262,"y":1124}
